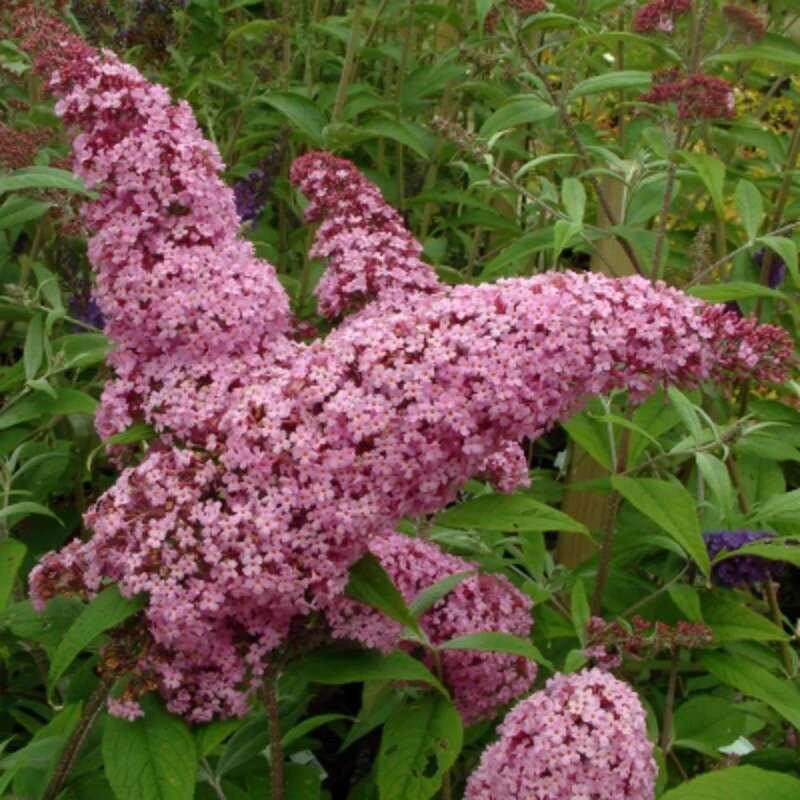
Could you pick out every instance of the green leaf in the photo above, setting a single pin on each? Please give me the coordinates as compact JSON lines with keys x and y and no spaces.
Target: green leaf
{"x":300,"y":111}
{"x":687,"y":411}
{"x":33,"y":406}
{"x":46,"y":627}
{"x":11,"y":554}
{"x":781,"y":508}
{"x":431,"y":595}
{"x":307,"y":725}
{"x":105,"y":611}
{"x":508,"y":512}
{"x":563,"y":233}
{"x":672,"y":508}
{"x":421,"y":741}
{"x":706,"y":723}
{"x":579,"y":606}
{"x":774,"y":551}
{"x":712,"y":172}
{"x":151,"y":758}
{"x":754,"y":681}
{"x":786,"y":250}
{"x":402,"y":131}
{"x":28,"y":507}
{"x":138,"y":432}
{"x":612,"y":81}
{"x":369,"y":584}
{"x":733,"y":621}
{"x":496,"y":642}
{"x":592,"y":436}
{"x":333,"y":667}
{"x":519,"y":111}
{"x":41,"y":178}
{"x":18,"y":210}
{"x":737,"y":783}
{"x":33,"y":352}
{"x":256,"y":29}
{"x":785,"y":57}
{"x":750,"y":205}
{"x":732,"y":290}
{"x":47,"y":283}
{"x":716,"y":476}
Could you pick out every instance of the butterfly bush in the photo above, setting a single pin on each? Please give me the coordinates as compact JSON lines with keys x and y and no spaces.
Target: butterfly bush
{"x":480,"y":681}
{"x":583,"y":737}
{"x":277,"y":464}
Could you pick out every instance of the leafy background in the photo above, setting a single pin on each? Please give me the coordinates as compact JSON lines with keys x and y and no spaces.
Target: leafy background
{"x":512,"y":144}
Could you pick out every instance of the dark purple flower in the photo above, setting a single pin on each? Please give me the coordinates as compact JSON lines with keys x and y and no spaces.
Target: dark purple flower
{"x":777,"y":268}
{"x":87,"y":311}
{"x":740,"y":570}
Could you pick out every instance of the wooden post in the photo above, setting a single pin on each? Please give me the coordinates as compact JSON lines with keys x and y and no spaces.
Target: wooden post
{"x":589,"y":507}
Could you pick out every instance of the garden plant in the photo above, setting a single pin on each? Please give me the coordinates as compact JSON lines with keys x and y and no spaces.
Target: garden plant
{"x":399,"y":400}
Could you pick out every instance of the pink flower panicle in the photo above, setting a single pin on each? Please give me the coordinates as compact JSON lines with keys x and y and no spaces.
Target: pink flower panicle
{"x":583,"y":736}
{"x":481,"y":682}
{"x":176,"y":285}
{"x":660,"y":16}
{"x":278,"y":463}
{"x":697,"y":97}
{"x":370,"y":253}
{"x":745,"y":22}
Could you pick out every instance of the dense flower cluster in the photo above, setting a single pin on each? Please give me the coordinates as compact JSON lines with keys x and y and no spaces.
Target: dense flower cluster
{"x":660,"y":16}
{"x":19,"y":146}
{"x":582,"y":736}
{"x":697,"y":97}
{"x":277,"y":464}
{"x":481,"y":682}
{"x":369,"y":251}
{"x":745,"y":22}
{"x":740,"y":570}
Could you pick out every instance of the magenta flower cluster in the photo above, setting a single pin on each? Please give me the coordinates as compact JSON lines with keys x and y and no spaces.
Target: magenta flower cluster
{"x":660,"y":16}
{"x":582,"y":737}
{"x":480,"y":681}
{"x":278,"y":464}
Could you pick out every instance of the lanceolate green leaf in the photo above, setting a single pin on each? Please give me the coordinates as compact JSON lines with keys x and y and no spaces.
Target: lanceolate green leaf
{"x":750,"y":205}
{"x":672,"y":508}
{"x":106,"y":611}
{"x":712,"y":172}
{"x":11,"y":554}
{"x":19,"y":210}
{"x":369,"y":584}
{"x":503,"y":512}
{"x":151,"y":758}
{"x":613,"y":81}
{"x":755,"y":681}
{"x":41,"y":178}
{"x":524,"y":111}
{"x":737,"y":783}
{"x":421,"y":741}
{"x":334,"y":667}
{"x":300,"y":111}
{"x":497,"y":642}
{"x":786,"y":250}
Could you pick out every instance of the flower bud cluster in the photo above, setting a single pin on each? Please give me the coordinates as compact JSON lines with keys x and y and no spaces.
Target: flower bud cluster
{"x":740,"y":570}
{"x":607,"y":642}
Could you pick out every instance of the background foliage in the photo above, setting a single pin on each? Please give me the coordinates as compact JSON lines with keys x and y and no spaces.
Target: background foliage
{"x":513,"y":144}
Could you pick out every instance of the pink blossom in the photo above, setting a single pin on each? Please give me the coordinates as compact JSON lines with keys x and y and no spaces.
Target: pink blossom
{"x":582,"y":736}
{"x":481,"y":682}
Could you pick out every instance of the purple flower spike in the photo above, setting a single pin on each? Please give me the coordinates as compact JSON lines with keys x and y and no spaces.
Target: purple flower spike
{"x":740,"y":570}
